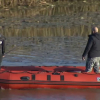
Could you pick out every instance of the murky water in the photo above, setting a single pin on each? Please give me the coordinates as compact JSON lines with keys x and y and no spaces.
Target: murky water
{"x":52,"y":35}
{"x":45,"y":51}
{"x":50,"y":94}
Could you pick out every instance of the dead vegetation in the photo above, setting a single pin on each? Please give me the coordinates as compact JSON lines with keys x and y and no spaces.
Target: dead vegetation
{"x":14,"y":3}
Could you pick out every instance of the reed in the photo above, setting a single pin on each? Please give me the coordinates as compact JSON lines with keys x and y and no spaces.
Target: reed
{"x":81,"y":30}
{"x":69,"y":8}
{"x":14,"y":3}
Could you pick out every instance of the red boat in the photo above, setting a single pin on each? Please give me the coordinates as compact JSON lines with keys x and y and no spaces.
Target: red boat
{"x":28,"y":77}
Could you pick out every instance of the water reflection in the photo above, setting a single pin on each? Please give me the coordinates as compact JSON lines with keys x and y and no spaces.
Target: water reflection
{"x":44,"y":94}
{"x":28,"y":32}
{"x":45,"y":50}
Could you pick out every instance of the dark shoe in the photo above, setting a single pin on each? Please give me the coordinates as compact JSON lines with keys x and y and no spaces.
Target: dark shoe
{"x":97,"y":72}
{"x":87,"y":71}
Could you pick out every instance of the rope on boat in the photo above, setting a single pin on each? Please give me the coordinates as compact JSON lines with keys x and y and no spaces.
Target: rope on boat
{"x":53,"y":72}
{"x":23,"y":72}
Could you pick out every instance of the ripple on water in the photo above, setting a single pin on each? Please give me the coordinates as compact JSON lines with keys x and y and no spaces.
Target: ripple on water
{"x":51,"y":51}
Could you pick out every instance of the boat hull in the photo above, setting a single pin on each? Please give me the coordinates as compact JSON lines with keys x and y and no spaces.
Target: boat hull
{"x":56,"y":77}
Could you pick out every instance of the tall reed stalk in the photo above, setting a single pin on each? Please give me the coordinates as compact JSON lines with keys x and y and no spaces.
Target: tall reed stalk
{"x":12,"y":3}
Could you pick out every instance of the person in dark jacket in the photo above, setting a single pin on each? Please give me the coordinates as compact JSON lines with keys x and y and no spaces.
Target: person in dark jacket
{"x":2,"y":47}
{"x":92,"y":49}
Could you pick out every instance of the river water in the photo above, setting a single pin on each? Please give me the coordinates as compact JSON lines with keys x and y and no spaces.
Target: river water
{"x":52,"y":35}
{"x":50,"y":94}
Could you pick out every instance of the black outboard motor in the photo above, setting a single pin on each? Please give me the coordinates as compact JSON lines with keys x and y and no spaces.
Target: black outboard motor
{"x":2,"y":47}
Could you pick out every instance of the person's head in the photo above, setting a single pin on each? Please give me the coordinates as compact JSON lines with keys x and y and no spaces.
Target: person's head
{"x":94,"y":30}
